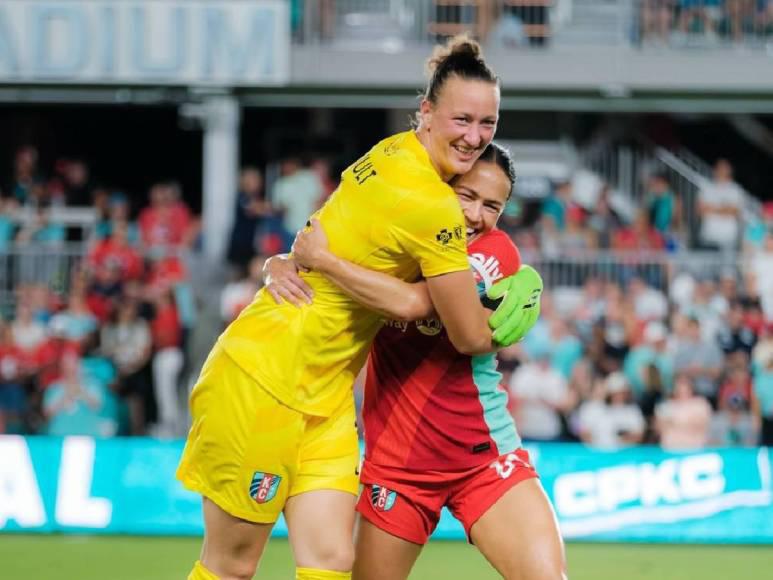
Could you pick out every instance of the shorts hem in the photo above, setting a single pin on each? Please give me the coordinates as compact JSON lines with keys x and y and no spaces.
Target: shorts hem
{"x":392,"y":530}
{"x":195,"y":485}
{"x":491,"y":500}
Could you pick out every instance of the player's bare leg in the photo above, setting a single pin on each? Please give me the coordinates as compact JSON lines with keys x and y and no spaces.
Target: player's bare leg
{"x":519,"y":535}
{"x":232,"y":546}
{"x":321,"y":528}
{"x":381,"y":556}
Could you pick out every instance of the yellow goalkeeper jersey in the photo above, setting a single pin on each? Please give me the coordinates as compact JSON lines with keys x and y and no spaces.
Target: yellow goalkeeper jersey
{"x":391,"y":213}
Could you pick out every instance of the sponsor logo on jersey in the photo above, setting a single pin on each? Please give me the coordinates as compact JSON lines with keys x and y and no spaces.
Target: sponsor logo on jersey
{"x":485,"y":268}
{"x":264,"y":486}
{"x":429,"y":326}
{"x":383,"y":499}
{"x":444,"y":236}
{"x":394,"y":145}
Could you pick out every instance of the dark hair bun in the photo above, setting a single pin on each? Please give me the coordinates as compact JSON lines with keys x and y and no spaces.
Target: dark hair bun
{"x":460,"y":56}
{"x":458,"y":46}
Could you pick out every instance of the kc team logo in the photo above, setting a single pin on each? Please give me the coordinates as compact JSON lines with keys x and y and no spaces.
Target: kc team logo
{"x":264,"y":486}
{"x":382,"y":498}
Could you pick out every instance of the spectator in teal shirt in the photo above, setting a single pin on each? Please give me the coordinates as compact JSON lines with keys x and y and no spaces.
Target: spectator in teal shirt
{"x":7,"y":227}
{"x":565,"y":348}
{"x":651,"y":351}
{"x":763,"y":390}
{"x":42,"y":230}
{"x":75,"y":404}
{"x":556,"y":205}
{"x":660,"y":203}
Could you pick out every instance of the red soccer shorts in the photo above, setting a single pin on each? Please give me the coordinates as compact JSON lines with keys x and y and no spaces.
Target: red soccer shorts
{"x":408,"y":504}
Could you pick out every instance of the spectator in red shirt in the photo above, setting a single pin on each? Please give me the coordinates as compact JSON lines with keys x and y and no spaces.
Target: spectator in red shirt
{"x":639,"y":236}
{"x":167,"y":222}
{"x":12,"y":397}
{"x":167,"y":364}
{"x":165,"y":272}
{"x":116,"y":252}
{"x":738,"y":384}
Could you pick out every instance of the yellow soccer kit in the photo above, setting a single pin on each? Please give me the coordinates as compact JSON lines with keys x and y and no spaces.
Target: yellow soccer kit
{"x":391,"y":213}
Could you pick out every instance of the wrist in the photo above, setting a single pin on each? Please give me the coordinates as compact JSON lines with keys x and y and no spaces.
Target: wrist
{"x":325,"y":262}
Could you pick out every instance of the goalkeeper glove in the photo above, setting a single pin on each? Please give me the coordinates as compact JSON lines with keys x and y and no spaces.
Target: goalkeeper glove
{"x":520,"y":306}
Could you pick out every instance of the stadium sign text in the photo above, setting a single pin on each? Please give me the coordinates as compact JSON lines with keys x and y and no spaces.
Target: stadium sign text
{"x":638,"y":494}
{"x":669,"y":482}
{"x":128,"y":486}
{"x":163,"y":42}
{"x":21,"y":498}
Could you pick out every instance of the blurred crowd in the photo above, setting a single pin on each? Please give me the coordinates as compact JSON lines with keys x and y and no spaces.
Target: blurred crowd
{"x":674,"y":21}
{"x":106,"y":355}
{"x":584,"y":214}
{"x":679,"y":357}
{"x":621,"y":364}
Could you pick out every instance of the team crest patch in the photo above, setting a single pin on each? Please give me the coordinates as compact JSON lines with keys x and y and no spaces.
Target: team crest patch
{"x":264,"y":486}
{"x":382,"y":498}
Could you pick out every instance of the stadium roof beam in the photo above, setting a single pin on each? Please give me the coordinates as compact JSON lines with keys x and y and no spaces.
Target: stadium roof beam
{"x":599,"y":101}
{"x":537,"y":101}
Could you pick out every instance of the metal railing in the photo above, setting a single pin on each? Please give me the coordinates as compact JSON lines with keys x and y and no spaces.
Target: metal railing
{"x":37,"y":263}
{"x":628,"y":168}
{"x":395,"y":23}
{"x":392,"y":24}
{"x":657,"y":268}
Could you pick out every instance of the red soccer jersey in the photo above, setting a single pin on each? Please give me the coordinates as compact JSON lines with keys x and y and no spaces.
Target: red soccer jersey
{"x":165,"y":225}
{"x":108,"y":254}
{"x":428,"y":407}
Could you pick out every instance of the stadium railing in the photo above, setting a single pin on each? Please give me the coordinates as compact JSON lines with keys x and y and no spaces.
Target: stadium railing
{"x":37,"y":263}
{"x":702,"y":24}
{"x":658,"y":269}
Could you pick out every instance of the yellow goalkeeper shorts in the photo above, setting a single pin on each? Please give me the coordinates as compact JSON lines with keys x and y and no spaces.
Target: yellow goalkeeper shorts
{"x":248,"y":452}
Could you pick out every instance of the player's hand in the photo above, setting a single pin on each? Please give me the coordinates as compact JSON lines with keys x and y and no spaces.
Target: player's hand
{"x":520,"y":306}
{"x":280,"y":274}
{"x":310,"y":247}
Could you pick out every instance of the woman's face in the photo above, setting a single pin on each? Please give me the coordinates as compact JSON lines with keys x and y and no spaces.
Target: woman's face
{"x":482,"y":193}
{"x":457,"y":128}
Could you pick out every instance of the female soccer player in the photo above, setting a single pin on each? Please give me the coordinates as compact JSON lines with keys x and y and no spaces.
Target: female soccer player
{"x":273,"y":412}
{"x":437,"y":429}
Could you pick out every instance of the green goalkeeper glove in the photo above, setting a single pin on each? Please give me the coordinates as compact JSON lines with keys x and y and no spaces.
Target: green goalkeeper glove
{"x":520,"y":307}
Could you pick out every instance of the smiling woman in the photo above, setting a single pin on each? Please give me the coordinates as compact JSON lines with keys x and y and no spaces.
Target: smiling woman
{"x":459,"y":112}
{"x":437,"y":429}
{"x":273,"y":411}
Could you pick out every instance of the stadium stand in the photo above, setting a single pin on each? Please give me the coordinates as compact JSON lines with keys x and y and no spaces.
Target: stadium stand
{"x":638,"y":317}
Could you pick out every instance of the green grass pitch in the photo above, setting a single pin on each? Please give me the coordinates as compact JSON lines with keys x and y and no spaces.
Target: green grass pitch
{"x":31,"y":557}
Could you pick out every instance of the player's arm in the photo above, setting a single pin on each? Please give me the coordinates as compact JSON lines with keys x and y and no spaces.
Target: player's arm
{"x":456,"y":301}
{"x":377,"y":291}
{"x":454,"y":295}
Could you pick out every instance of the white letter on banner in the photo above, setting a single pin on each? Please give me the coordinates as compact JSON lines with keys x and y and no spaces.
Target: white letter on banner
{"x":658,"y":483}
{"x":8,"y":59}
{"x":701,"y":476}
{"x":19,"y":493}
{"x":616,"y":486}
{"x":74,"y":507}
{"x":60,"y":31}
{"x":146,"y":34}
{"x":575,"y":494}
{"x":107,"y":45}
{"x":224,"y":49}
